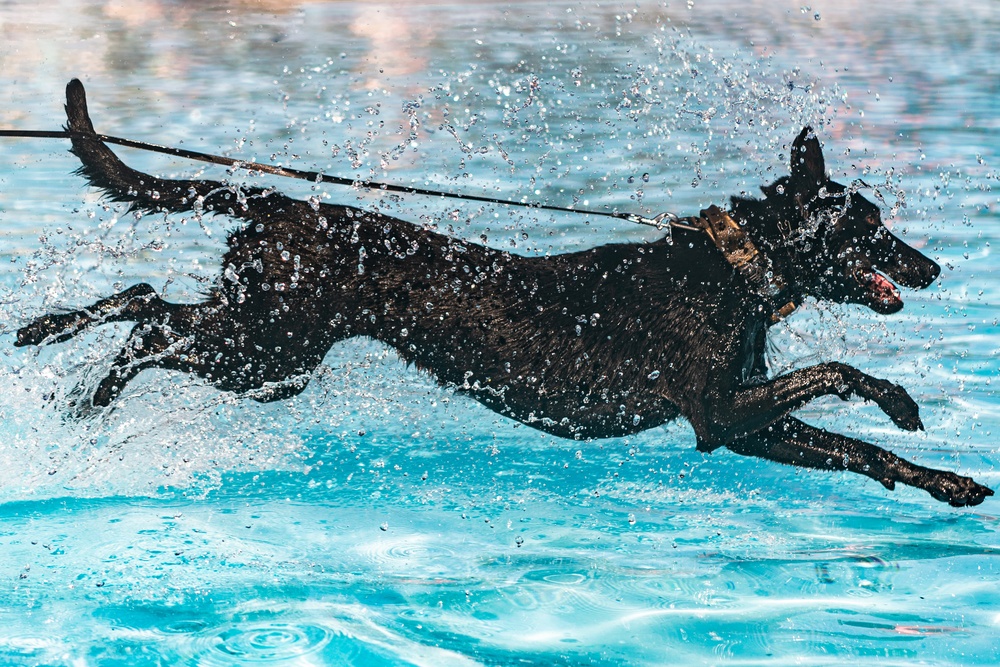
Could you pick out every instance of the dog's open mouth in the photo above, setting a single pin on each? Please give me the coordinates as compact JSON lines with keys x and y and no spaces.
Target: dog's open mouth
{"x":883,"y":294}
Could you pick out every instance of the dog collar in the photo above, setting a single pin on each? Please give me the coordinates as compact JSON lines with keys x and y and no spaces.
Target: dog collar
{"x":742,"y":255}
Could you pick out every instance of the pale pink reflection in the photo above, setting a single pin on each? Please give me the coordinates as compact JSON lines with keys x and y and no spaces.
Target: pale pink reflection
{"x":398,"y":45}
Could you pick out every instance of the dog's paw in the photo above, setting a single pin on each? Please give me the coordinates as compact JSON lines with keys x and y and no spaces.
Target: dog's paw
{"x":954,"y":489}
{"x":897,"y":403}
{"x":31,"y":334}
{"x":47,"y":329}
{"x":34,"y":333}
{"x":107,"y":391}
{"x":82,"y":408}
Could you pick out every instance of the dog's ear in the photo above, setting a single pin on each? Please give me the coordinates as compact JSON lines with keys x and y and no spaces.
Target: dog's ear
{"x":808,"y":167}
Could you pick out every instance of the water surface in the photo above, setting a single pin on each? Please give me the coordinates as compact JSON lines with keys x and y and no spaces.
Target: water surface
{"x":380,"y":519}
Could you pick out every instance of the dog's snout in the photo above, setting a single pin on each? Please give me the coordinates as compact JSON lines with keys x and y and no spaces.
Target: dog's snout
{"x":931,"y":274}
{"x":915,"y":271}
{"x":906,"y":264}
{"x":918,"y":270}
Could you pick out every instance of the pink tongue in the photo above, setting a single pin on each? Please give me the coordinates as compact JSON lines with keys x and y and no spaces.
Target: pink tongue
{"x":884,"y":289}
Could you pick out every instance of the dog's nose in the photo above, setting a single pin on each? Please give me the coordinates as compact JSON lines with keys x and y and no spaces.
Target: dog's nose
{"x":924,"y":273}
{"x":934,"y":270}
{"x":909,"y":266}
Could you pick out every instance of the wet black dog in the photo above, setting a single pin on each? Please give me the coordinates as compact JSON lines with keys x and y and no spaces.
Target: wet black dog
{"x":593,"y":344}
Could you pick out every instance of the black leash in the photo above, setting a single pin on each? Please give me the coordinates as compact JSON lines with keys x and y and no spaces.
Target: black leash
{"x":661,"y":221}
{"x":727,"y":235}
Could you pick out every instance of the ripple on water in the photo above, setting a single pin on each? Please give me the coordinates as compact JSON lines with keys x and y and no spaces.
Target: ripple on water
{"x":269,"y":642}
{"x":560,"y":577}
{"x":707,"y":584}
{"x":185,"y":627}
{"x":418,"y":552}
{"x":405,"y":551}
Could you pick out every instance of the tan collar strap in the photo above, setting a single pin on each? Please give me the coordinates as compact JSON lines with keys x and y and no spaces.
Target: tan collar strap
{"x":742,"y":254}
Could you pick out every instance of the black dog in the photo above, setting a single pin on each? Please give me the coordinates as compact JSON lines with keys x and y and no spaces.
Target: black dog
{"x":593,"y":344}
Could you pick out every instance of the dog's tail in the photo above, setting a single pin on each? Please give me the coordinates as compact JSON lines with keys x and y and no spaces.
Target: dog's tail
{"x":99,"y":164}
{"x":102,"y":168}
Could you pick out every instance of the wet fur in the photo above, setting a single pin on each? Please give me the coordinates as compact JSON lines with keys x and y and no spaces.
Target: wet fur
{"x":593,"y":344}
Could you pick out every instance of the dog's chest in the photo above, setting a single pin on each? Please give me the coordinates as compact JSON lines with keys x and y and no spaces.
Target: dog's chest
{"x":753,"y":368}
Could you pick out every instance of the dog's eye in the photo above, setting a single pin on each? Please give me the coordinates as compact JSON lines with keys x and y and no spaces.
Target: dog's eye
{"x":874,"y":220}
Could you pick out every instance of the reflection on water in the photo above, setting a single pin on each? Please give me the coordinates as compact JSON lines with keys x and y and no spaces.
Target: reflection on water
{"x":378,"y":519}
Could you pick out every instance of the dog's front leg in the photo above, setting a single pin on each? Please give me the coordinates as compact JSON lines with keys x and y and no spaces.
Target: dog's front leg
{"x":793,"y":442}
{"x":732,"y":413}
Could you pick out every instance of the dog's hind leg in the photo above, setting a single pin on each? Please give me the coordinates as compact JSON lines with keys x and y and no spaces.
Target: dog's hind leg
{"x":137,"y":303}
{"x":796,"y":443}
{"x":148,"y":346}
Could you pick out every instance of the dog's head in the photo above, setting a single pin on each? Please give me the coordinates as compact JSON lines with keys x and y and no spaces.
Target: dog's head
{"x":829,"y":240}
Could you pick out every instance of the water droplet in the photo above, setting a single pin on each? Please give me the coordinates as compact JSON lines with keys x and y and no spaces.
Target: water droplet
{"x":654,"y":375}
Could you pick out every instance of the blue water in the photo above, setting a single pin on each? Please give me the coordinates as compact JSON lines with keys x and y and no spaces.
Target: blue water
{"x":378,"y":519}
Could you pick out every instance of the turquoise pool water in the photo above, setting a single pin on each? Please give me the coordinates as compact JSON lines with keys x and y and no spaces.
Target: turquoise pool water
{"x":378,"y":519}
